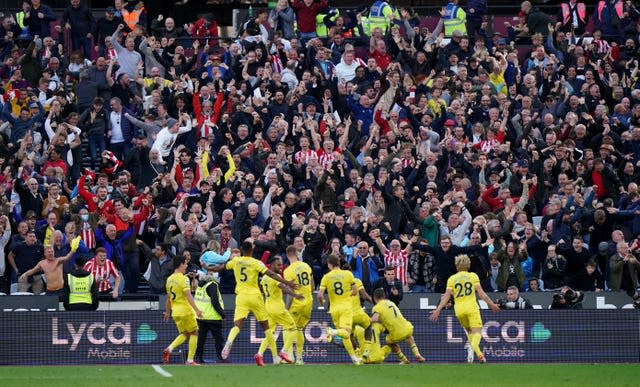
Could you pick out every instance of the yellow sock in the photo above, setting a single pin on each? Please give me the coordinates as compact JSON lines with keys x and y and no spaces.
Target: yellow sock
{"x":415,"y":350}
{"x":401,"y":356}
{"x":193,"y":344}
{"x":263,"y":346}
{"x":346,"y":340}
{"x":359,"y":334}
{"x":176,"y":343}
{"x":299,"y":343}
{"x":271,"y":342}
{"x":233,"y":333}
{"x":288,"y":337}
{"x":474,"y":340}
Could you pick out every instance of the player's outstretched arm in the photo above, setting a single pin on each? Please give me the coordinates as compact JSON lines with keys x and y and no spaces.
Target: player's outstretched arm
{"x":288,"y":291}
{"x":215,"y":268}
{"x":443,"y":301}
{"x":487,"y":299}
{"x":375,"y":318}
{"x":167,"y":309}
{"x":280,"y":279}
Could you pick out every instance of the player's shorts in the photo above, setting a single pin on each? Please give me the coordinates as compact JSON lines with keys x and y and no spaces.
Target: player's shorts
{"x":301,"y":314}
{"x":377,"y":354}
{"x":360,"y":318}
{"x":250,"y":303}
{"x":186,"y":323}
{"x":400,"y":335}
{"x":469,"y":319}
{"x":342,"y":317}
{"x":282,"y":317}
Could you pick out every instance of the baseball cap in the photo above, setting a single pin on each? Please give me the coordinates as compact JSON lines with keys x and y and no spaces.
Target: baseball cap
{"x":111,"y":10}
{"x":523,"y":163}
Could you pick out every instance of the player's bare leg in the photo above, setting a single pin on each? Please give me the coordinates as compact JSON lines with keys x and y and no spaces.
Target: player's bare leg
{"x":233,"y":333}
{"x":414,"y":349}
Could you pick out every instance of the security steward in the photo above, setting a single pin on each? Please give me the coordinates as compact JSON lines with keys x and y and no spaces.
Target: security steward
{"x":80,"y":288}
{"x":209,"y":301}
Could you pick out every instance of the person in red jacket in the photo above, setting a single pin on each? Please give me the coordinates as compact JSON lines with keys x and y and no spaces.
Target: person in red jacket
{"x":306,"y":11}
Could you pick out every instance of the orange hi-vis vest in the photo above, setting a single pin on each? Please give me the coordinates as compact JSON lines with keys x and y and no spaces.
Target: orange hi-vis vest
{"x":131,"y":18}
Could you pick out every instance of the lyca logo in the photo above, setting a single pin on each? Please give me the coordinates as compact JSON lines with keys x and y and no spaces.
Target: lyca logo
{"x":96,"y":333}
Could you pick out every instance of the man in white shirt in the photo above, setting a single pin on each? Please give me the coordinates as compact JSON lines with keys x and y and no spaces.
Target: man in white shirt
{"x":167,"y":136}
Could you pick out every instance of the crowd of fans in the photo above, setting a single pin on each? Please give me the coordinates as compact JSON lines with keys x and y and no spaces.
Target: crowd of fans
{"x":358,"y":133}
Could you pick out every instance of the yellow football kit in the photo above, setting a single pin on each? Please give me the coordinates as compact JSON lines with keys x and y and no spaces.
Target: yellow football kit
{"x":337,"y":283}
{"x":463,"y":285}
{"x":248,"y":296}
{"x":393,"y":321}
{"x":301,"y":273}
{"x":183,"y":315}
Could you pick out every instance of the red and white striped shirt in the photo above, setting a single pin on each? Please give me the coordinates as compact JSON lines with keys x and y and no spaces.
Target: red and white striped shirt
{"x":104,"y":271}
{"x":399,"y":261}
{"x":88,"y":236}
{"x":303,"y":157}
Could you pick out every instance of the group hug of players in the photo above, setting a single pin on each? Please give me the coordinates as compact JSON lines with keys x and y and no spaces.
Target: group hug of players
{"x":358,"y":332}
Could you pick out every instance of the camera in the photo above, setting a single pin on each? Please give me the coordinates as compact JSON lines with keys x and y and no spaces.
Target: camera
{"x":567,"y":298}
{"x":636,"y":299}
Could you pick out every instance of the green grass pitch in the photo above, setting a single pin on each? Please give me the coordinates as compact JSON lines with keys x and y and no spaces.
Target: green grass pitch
{"x":327,"y":375}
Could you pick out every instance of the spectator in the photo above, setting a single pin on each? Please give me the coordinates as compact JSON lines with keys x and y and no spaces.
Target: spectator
{"x":511,"y":273}
{"x":38,"y":18}
{"x":514,"y":300}
{"x":536,"y":21}
{"x":105,"y":274}
{"x":476,"y":10}
{"x":159,"y":268}
{"x":607,"y":18}
{"x":393,"y":288}
{"x":366,"y":266}
{"x":624,"y":267}
{"x":455,"y":19}
{"x":572,"y":17}
{"x":78,"y":20}
{"x":23,"y":257}
{"x":306,"y":11}
{"x":554,"y":269}
{"x":282,"y":18}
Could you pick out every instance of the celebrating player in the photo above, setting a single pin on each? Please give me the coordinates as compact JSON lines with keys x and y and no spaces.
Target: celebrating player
{"x":361,"y":320}
{"x":249,"y":298}
{"x":278,"y":315}
{"x":341,"y":286}
{"x":464,"y":286}
{"x":181,"y":306}
{"x":398,"y":328}
{"x":373,"y":352}
{"x":300,"y":308}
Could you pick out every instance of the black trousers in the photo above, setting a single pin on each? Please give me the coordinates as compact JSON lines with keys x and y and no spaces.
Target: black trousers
{"x":204,"y":327}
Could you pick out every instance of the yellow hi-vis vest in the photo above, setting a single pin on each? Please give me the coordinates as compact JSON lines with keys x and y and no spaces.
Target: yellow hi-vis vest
{"x":380,"y":15}
{"x":80,"y":289}
{"x":321,"y":28}
{"x":203,"y":301}
{"x":455,"y":19}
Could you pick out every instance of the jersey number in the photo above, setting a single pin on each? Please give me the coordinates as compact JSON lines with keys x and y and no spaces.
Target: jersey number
{"x":463,"y":290}
{"x":266,"y":290}
{"x":303,"y":279}
{"x":337,"y":288}
{"x":243,"y":274}
{"x":393,"y":308}
{"x":173,"y":294}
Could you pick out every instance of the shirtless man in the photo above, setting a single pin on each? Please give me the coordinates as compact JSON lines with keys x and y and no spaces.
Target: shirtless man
{"x":52,"y":269}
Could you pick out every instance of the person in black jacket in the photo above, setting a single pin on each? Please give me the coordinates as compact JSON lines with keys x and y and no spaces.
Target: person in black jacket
{"x":391,"y":285}
{"x":78,"y":19}
{"x":67,"y":298}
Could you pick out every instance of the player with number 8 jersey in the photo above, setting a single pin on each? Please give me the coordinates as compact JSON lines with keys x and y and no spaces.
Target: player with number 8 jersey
{"x":300,"y":309}
{"x":340,"y":285}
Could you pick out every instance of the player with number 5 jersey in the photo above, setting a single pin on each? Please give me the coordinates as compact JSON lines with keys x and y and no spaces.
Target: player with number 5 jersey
{"x":246,"y":270}
{"x":340,"y":285}
{"x":300,"y":309}
{"x":463,"y":287}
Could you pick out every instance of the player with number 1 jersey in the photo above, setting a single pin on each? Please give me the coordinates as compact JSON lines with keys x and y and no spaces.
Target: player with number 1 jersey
{"x":300,"y":309}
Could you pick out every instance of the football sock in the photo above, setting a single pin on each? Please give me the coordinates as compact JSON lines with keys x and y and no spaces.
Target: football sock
{"x":415,"y":350}
{"x":288,"y":337}
{"x":401,"y":356}
{"x":233,"y":333}
{"x":193,"y":344}
{"x":474,"y":340}
{"x":271,"y":342}
{"x":299,"y":343}
{"x":263,"y":346}
{"x":346,"y":341}
{"x":359,"y":334}
{"x":176,"y":343}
